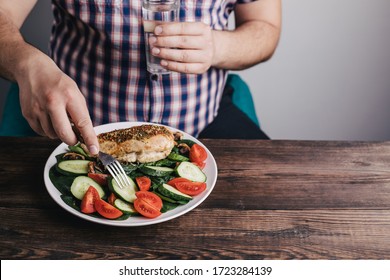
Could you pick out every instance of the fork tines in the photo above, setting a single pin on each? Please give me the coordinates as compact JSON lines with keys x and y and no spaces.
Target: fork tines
{"x":118,"y":174}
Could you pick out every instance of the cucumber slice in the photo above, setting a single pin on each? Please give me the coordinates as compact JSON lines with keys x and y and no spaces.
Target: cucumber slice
{"x":81,"y":184}
{"x":165,"y":198}
{"x":191,"y":172}
{"x":127,"y":193}
{"x":73,"y":167}
{"x":170,"y":200}
{"x":124,"y":206}
{"x":157,"y":171}
{"x":173,"y":193}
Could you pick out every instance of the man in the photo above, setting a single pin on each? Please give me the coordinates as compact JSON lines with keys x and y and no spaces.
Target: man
{"x":97,"y":72}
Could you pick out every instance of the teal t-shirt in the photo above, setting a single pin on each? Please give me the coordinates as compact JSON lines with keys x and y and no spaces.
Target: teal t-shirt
{"x":13,"y":122}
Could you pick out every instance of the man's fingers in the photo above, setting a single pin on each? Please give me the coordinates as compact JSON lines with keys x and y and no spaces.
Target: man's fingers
{"x":41,"y":124}
{"x":79,"y":114}
{"x":181,"y":42}
{"x":180,"y":28}
{"x":62,"y":126}
{"x":47,"y":126}
{"x":36,"y":126}
{"x":189,"y":56}
{"x":188,"y":68}
{"x":185,"y":47}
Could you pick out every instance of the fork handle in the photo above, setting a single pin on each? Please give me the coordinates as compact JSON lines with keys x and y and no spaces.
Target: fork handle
{"x":77,"y":132}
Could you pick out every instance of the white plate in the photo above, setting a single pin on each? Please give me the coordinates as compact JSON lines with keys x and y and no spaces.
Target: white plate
{"x":210,"y":170}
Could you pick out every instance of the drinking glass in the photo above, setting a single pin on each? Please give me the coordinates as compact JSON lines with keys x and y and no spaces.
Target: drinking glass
{"x":155,"y":12}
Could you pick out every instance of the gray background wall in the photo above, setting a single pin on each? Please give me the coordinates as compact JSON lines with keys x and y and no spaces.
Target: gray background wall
{"x":328,"y":80}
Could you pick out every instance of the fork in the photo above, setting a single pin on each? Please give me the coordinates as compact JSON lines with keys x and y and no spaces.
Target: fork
{"x":109,"y":162}
{"x":116,"y":170}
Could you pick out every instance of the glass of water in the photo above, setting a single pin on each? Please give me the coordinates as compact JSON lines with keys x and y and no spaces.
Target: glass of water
{"x":155,"y":12}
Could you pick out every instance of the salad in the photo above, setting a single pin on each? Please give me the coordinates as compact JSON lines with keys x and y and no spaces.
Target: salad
{"x":156,"y":187}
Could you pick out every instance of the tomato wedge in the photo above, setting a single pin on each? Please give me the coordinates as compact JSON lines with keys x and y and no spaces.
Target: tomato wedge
{"x":101,"y":179}
{"x":88,"y":202}
{"x":148,"y":204}
{"x":200,"y":164}
{"x":145,"y":209}
{"x":177,"y":180}
{"x":191,"y":188}
{"x":143,"y":183}
{"x":150,"y":198}
{"x":107,"y":210}
{"x":111,"y":198}
{"x":197,"y":153}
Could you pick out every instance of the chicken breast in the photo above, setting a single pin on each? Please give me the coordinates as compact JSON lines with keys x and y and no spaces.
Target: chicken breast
{"x":145,"y":143}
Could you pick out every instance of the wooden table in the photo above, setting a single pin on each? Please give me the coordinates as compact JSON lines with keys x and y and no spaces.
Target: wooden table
{"x":272,"y":200}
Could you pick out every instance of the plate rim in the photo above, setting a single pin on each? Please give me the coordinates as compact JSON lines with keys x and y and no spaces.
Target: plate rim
{"x":55,"y":194}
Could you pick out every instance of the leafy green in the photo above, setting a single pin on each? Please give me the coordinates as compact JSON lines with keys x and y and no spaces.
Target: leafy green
{"x":61,"y":182}
{"x":165,"y":162}
{"x":71,"y":201}
{"x":168,"y":206}
{"x":77,"y":149}
{"x":129,"y":168}
{"x":60,"y":157}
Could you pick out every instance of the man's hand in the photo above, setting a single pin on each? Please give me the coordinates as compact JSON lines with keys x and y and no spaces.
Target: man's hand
{"x":193,"y":47}
{"x":50,"y":100}
{"x":186,"y":47}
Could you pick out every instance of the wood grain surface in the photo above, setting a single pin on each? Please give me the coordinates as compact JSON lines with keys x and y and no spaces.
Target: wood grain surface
{"x":273,"y":200}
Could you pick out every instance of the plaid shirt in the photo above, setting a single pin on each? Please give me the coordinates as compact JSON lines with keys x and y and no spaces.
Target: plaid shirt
{"x":100,"y":44}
